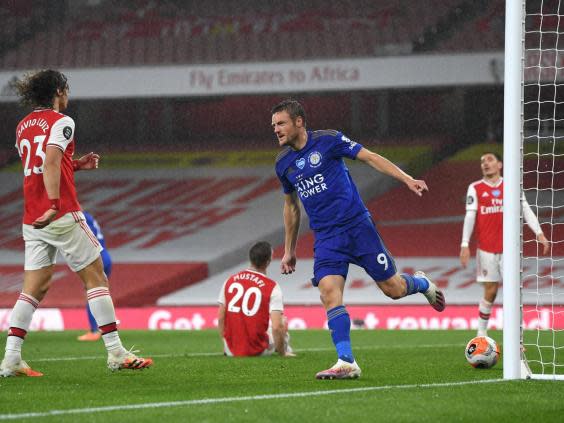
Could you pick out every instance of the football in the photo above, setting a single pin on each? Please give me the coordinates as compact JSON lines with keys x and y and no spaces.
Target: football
{"x":482,"y":352}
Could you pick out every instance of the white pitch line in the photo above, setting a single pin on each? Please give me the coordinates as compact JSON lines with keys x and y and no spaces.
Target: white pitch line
{"x":212,"y":354}
{"x":187,"y":403}
{"x":100,"y":357}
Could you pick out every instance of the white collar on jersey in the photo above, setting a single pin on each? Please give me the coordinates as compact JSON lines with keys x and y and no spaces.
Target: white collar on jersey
{"x":498,"y":183}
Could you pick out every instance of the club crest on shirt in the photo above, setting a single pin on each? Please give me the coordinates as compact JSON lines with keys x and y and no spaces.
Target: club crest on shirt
{"x":314,"y":158}
{"x":496,"y":192}
{"x":300,"y":163}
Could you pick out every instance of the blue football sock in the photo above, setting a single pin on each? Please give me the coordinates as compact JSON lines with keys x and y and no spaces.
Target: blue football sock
{"x":415,"y":284}
{"x":91,"y":320}
{"x":339,"y":323}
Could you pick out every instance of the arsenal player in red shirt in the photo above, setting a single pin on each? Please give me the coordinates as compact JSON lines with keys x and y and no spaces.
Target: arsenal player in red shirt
{"x":248,"y":300}
{"x":53,"y":221}
{"x":484,"y":209}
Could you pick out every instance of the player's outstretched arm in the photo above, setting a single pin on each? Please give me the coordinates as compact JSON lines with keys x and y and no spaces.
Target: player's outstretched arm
{"x":52,"y":182}
{"x":87,"y":162}
{"x":381,"y":164}
{"x":292,"y":215}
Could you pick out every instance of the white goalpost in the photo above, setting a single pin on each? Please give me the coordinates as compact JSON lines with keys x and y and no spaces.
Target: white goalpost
{"x":533,"y":289}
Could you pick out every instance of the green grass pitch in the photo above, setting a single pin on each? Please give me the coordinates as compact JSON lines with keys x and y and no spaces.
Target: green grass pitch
{"x":419,"y":376}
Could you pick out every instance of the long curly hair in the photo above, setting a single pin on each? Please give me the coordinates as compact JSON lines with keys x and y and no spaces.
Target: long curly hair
{"x":37,"y":89}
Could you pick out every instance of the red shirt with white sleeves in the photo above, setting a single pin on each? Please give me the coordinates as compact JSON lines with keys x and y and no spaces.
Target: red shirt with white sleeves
{"x":487,"y":200}
{"x":249,"y":297}
{"x":34,"y":133}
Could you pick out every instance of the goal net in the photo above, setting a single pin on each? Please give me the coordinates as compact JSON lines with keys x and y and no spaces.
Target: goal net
{"x":542,"y":170}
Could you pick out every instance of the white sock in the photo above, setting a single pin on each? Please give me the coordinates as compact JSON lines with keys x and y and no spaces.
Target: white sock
{"x":102,"y":308}
{"x":13,"y":349}
{"x":484,"y":309}
{"x":20,"y":320}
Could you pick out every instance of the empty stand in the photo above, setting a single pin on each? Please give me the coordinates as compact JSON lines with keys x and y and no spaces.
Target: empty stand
{"x":482,"y":33}
{"x":149,"y":33}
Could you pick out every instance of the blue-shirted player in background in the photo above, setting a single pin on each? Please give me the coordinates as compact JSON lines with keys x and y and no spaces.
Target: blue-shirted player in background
{"x":93,"y":334}
{"x":311,"y":167}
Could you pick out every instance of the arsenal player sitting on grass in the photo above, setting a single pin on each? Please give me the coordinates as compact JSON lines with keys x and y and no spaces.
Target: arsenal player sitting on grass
{"x":53,"y":221}
{"x":248,"y":300}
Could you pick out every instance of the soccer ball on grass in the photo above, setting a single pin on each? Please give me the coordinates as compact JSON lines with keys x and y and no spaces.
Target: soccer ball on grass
{"x":482,"y":352}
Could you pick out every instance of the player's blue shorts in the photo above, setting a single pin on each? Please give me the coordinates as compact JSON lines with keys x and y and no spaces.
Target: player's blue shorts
{"x":360,"y":245}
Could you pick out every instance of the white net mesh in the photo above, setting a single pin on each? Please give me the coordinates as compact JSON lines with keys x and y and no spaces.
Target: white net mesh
{"x":543,"y":184}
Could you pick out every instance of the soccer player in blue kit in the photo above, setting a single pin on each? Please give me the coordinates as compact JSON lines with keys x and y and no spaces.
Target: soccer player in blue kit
{"x":94,"y":334}
{"x":311,"y":167}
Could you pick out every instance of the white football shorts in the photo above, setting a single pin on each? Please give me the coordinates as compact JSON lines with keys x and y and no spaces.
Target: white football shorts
{"x":489,"y":266}
{"x":69,"y":234}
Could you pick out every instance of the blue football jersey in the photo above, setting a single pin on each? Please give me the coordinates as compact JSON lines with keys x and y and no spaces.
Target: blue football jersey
{"x":95,"y":228}
{"x":322,"y":181}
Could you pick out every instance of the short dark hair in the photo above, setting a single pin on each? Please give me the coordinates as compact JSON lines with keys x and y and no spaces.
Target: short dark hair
{"x":293,"y":107}
{"x":260,"y":254}
{"x":496,"y":155}
{"x":38,"y":89}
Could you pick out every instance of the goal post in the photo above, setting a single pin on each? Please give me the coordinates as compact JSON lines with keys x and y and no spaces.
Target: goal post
{"x":533,"y":166}
{"x":512,"y":158}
